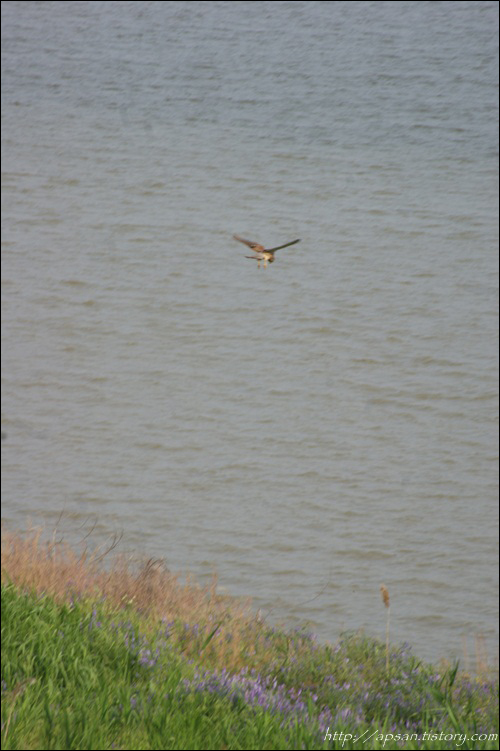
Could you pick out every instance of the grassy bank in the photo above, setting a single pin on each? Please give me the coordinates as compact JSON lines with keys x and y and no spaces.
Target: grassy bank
{"x":98,"y":658}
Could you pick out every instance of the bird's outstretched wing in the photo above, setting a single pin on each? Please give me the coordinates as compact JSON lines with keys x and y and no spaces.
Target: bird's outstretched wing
{"x":271,"y":250}
{"x":252,"y":245}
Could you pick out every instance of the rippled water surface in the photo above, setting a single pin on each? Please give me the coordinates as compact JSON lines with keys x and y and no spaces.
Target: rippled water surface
{"x":309,"y":430}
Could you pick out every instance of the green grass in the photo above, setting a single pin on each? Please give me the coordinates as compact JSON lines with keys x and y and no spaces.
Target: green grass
{"x":86,"y":675}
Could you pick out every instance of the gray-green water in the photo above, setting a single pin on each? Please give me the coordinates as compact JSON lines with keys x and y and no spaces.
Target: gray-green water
{"x":310,"y":430}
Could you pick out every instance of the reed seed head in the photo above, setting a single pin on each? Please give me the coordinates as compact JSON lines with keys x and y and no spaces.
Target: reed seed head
{"x":385,"y":595}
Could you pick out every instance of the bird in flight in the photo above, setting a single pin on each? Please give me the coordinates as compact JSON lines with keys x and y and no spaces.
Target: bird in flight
{"x":261,"y":253}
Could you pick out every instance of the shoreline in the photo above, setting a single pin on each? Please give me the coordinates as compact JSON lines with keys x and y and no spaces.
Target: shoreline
{"x":170,"y":665}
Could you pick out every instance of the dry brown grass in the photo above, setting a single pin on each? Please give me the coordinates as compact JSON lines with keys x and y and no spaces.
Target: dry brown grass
{"x":52,"y":567}
{"x":480,"y":664}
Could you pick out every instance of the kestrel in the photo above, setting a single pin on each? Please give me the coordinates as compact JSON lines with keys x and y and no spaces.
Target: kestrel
{"x":261,"y":253}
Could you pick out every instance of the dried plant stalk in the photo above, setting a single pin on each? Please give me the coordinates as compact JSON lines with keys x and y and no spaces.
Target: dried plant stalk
{"x":387,"y":602}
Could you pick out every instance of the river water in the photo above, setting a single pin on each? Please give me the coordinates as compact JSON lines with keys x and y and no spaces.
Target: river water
{"x":309,"y":430}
